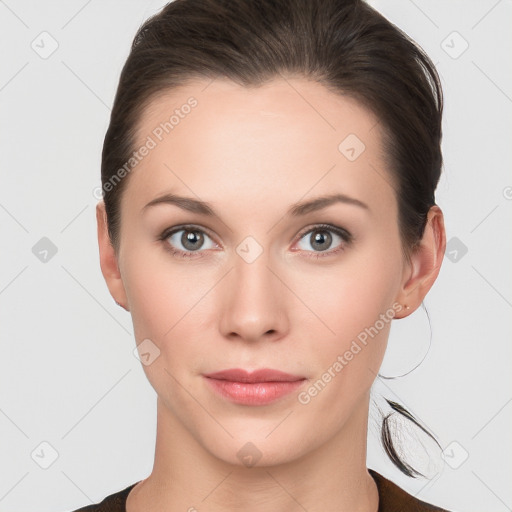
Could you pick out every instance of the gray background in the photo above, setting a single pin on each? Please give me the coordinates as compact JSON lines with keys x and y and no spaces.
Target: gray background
{"x":68,"y":375}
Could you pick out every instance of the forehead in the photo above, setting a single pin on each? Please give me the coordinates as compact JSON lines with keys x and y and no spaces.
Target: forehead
{"x":290,"y":133}
{"x":281,"y":98}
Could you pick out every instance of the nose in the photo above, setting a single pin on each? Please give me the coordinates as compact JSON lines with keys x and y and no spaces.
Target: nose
{"x":253,"y":303}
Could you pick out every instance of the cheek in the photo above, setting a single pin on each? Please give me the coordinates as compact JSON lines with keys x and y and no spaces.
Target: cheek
{"x":356,"y":315}
{"x":353,"y":313}
{"x":152,"y":306}
{"x":158,"y":293}
{"x":350,"y":297}
{"x":165,"y":308}
{"x":168,"y":304}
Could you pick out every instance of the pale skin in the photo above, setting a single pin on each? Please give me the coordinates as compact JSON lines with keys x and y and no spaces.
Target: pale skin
{"x":251,"y":154}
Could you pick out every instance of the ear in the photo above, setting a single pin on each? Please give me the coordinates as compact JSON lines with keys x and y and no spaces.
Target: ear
{"x":108,"y":259}
{"x":426,"y":259}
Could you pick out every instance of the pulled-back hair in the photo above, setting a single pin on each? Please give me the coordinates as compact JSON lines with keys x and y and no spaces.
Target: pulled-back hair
{"x":344,"y":45}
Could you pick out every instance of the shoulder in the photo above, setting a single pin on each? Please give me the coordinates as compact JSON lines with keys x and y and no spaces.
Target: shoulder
{"x":113,"y":503}
{"x":394,"y":499}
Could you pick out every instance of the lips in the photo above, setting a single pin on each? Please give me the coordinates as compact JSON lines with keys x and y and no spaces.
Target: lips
{"x":263,"y":375}
{"x":259,"y":387}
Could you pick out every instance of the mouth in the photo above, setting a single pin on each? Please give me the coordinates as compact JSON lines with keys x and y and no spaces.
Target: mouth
{"x":263,"y":375}
{"x":259,"y":387}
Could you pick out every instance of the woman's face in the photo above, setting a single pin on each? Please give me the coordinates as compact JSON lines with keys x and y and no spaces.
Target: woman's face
{"x":266,"y":283}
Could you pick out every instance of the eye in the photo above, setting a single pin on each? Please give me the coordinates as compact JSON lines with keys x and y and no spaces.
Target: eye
{"x":184,"y":241}
{"x":322,"y":237}
{"x":191,"y":241}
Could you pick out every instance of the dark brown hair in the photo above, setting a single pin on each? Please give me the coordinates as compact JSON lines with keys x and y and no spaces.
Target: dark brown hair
{"x":345,"y":45}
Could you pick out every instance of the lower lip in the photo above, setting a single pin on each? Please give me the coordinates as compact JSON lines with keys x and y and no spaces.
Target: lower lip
{"x":253,"y":393}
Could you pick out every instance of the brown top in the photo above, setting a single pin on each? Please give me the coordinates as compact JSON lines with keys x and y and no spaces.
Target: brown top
{"x":391,"y":499}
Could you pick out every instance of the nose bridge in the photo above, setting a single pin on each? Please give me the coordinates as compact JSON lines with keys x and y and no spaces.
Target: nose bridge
{"x":253,"y":301}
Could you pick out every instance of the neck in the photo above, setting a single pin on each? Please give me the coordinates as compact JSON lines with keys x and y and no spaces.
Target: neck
{"x":187,"y":477}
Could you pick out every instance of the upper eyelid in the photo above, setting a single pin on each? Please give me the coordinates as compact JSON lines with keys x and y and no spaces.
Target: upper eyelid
{"x":326,"y":227}
{"x":166,"y":233}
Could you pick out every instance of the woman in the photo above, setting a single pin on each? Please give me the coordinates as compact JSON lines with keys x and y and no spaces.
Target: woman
{"x":268,"y":177}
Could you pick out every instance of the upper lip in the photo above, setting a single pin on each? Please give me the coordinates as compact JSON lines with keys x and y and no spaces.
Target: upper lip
{"x":262,"y":375}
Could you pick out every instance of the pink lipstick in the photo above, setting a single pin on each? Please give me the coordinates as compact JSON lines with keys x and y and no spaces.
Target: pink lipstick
{"x":259,"y":387}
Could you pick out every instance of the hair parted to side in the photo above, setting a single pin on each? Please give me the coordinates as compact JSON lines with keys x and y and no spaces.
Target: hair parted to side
{"x":344,"y":45}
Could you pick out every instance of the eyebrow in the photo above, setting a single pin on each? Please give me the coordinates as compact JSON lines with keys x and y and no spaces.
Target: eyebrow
{"x":296,"y":210}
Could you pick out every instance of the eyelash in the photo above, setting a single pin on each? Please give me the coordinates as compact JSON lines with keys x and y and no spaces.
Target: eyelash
{"x":342,"y":233}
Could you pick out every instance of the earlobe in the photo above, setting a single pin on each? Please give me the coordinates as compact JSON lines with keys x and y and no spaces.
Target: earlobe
{"x":425,"y":263}
{"x":108,"y":259}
